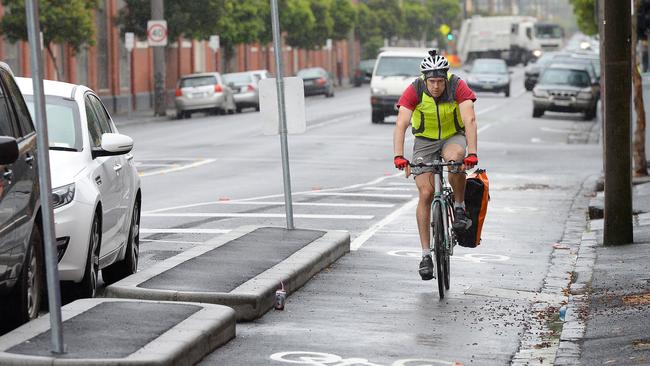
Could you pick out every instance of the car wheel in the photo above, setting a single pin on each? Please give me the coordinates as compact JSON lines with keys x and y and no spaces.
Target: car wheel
{"x":24,"y":302}
{"x":88,"y":285}
{"x":507,"y":91}
{"x":180,"y":114}
{"x":590,"y":114}
{"x":537,"y":112}
{"x":237,"y":109}
{"x":128,"y":265}
{"x":257,"y":107}
{"x":377,"y":117}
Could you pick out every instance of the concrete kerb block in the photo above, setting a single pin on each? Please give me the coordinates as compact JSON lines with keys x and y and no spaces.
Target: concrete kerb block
{"x":184,"y":344}
{"x":253,"y":298}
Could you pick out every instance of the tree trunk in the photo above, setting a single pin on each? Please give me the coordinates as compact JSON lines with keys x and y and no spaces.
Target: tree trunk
{"x":56,"y":66}
{"x":638,"y":150}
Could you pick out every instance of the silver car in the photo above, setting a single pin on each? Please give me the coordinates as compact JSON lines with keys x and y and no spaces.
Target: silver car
{"x":206,"y":92}
{"x":245,"y":89}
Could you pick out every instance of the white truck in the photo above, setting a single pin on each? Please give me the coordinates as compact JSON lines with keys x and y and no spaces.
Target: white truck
{"x":512,"y":38}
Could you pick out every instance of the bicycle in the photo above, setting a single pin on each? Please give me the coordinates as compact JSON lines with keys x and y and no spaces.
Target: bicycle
{"x":443,"y":237}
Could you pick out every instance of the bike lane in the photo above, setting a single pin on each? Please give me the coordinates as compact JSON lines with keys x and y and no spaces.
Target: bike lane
{"x":371,"y":308}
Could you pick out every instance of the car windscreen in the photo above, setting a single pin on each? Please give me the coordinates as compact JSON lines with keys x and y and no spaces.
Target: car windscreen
{"x":310,"y":73}
{"x":238,"y":78}
{"x":578,"y":61}
{"x":575,"y":78}
{"x":548,"y":31}
{"x":198,"y":81}
{"x":63,"y":126}
{"x":398,"y":66}
{"x":367,"y":65}
{"x":489,"y":67}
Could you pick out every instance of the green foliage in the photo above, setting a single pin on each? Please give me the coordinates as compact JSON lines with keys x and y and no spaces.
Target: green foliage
{"x":387,"y":17}
{"x":61,"y":21}
{"x":584,"y":12}
{"x":345,"y":16}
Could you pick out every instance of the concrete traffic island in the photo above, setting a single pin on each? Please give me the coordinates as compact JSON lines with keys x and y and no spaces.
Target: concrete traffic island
{"x":241,"y":269}
{"x":123,"y":332}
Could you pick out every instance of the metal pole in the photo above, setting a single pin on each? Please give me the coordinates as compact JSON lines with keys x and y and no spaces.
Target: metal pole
{"x":618,"y":160}
{"x":282,"y":113}
{"x":45,"y":184}
{"x":160,"y":89}
{"x":130,"y":106}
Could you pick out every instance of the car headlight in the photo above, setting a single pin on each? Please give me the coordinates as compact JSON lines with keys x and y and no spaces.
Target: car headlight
{"x":537,"y":53}
{"x":63,"y":195}
{"x":378,"y":91}
{"x":540,"y":93}
{"x":585,"y":94}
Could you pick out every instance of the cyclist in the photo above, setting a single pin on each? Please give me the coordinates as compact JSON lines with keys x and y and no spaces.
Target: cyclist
{"x":440,"y":108}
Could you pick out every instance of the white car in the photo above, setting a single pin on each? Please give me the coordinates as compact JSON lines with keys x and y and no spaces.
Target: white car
{"x":96,"y":187}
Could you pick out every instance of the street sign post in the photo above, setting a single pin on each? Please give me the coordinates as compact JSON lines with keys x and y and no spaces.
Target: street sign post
{"x":129,"y":44}
{"x":157,"y":33}
{"x":275,"y":23}
{"x":45,"y":182}
{"x":294,"y":99}
{"x":214,"y":45}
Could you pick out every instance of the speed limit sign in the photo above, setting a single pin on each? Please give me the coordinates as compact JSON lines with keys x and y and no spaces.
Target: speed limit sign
{"x":157,"y":33}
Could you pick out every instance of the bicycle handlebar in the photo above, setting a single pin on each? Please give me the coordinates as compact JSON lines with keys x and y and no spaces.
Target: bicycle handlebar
{"x":436,"y":163}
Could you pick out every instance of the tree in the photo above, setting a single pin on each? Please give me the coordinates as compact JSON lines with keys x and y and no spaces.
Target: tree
{"x":638,"y":152}
{"x":345,"y":16}
{"x":584,"y":12}
{"x":388,"y":17}
{"x":242,"y":24}
{"x":192,"y":19}
{"x":62,"y":21}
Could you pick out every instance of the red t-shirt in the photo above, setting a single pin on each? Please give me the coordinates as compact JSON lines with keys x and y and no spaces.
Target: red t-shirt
{"x":409,"y":98}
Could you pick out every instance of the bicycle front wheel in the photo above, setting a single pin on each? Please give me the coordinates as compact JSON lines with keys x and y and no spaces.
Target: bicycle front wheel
{"x":438,"y":246}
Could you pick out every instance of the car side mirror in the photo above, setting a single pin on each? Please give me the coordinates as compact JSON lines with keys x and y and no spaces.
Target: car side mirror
{"x":113,"y":144}
{"x":8,"y":150}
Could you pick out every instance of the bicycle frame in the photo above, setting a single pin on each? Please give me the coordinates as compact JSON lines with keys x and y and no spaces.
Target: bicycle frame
{"x":443,"y":195}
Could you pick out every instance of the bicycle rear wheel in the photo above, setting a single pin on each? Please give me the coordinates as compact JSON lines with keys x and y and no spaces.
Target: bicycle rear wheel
{"x":438,"y":244}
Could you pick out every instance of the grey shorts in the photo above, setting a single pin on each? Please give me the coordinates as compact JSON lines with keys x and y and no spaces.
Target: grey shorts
{"x":430,"y":150}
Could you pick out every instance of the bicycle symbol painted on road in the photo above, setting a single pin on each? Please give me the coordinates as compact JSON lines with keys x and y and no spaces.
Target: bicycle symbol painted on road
{"x":469,"y":257}
{"x":328,"y":359}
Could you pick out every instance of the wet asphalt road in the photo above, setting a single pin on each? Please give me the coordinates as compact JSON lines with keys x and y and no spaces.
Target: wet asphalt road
{"x":207,"y":175}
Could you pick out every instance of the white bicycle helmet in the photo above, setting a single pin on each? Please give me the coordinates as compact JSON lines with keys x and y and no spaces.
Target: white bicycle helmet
{"x":434,"y":65}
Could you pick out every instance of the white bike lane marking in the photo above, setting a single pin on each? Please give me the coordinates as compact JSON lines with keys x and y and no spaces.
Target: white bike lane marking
{"x":328,"y":359}
{"x":469,"y":257}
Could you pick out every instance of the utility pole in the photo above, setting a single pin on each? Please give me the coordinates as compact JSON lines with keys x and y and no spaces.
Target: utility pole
{"x":616,"y":38}
{"x":159,"y":67}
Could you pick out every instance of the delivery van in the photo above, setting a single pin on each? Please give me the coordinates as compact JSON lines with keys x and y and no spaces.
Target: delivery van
{"x":395,"y":70}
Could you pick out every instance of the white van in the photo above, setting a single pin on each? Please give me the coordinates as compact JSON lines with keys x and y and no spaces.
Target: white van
{"x":394,"y":71}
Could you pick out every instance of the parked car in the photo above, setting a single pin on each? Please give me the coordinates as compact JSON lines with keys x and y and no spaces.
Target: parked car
{"x":533,"y":69}
{"x":262,"y":74}
{"x":205,"y":92}
{"x":363,"y":72}
{"x":317,"y":81}
{"x":96,"y":187}
{"x":244,"y":86}
{"x":490,"y":75}
{"x":22,"y":275}
{"x":565,"y":88}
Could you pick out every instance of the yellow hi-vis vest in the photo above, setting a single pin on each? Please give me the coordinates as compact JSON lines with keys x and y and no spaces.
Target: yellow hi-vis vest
{"x":436,"y":120}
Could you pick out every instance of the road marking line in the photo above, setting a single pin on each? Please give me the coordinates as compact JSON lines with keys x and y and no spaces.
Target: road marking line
{"x":346,"y":194}
{"x":259,"y":215}
{"x":361,"y":239}
{"x":183,"y":231}
{"x":390,"y":189}
{"x":354,"y":186}
{"x":178,"y":168}
{"x":410,"y":184}
{"x":484,"y":128}
{"x":269,"y":203}
{"x":170,"y":241}
{"x":557,"y":130}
